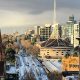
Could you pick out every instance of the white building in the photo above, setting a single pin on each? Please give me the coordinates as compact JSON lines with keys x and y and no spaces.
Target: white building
{"x":64,"y":32}
{"x":75,"y":34}
{"x":56,"y":33}
{"x":43,"y":31}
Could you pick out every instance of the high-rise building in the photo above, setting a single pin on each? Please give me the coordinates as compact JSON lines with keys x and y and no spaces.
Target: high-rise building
{"x":69,"y":27}
{"x":56,"y":32}
{"x":64,"y":31}
{"x":44,"y":32}
{"x":75,"y":34}
{"x":37,"y":30}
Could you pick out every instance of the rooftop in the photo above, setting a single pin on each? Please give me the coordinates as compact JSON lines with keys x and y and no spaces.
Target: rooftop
{"x":56,"y":43}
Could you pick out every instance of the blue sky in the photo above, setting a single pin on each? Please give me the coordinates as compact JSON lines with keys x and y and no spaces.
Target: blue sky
{"x":36,"y":12}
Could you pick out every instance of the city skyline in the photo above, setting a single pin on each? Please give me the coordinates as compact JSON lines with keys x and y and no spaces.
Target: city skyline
{"x":34,"y":12}
{"x":39,"y":40}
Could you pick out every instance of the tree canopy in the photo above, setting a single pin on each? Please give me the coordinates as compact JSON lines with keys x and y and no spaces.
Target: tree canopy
{"x":10,"y":54}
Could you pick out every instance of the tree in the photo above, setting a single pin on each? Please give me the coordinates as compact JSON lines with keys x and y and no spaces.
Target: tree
{"x":75,"y":54}
{"x":76,"y":49}
{"x":33,"y":41}
{"x":67,"y":55}
{"x":55,"y":76}
{"x":10,"y":54}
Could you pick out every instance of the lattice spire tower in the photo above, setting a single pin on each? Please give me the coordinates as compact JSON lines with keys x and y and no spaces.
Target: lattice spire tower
{"x":55,"y":32}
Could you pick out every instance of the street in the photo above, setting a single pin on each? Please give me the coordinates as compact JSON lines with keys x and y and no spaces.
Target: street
{"x":28,"y":67}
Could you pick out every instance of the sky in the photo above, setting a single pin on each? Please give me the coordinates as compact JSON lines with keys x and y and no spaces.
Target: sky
{"x":15,"y":13}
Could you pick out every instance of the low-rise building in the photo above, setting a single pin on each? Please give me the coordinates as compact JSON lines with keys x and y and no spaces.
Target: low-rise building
{"x":11,"y":72}
{"x":70,"y":66}
{"x":55,"y":49}
{"x":54,"y":52}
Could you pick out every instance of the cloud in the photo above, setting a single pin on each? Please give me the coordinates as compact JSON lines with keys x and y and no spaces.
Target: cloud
{"x":29,"y":12}
{"x":71,"y":4}
{"x":12,"y":18}
{"x":64,"y":13}
{"x":33,"y":6}
{"x":37,"y":6}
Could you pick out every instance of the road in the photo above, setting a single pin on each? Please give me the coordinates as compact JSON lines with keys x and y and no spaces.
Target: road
{"x":52,"y":65}
{"x":28,"y":67}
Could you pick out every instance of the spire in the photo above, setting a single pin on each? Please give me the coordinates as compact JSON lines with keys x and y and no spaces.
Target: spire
{"x":56,"y":27}
{"x":54,"y":34}
{"x":54,"y":12}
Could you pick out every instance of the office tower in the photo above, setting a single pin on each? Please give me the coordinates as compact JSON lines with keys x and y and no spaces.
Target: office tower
{"x":70,"y":27}
{"x":37,"y":29}
{"x":44,"y":32}
{"x":75,"y":34}
{"x":57,"y":32}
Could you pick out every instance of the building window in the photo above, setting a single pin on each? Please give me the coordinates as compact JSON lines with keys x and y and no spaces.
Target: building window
{"x":48,"y":57}
{"x":68,"y":50}
{"x":54,"y":50}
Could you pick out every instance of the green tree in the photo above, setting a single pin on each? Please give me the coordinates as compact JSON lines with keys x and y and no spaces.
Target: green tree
{"x":33,"y":41}
{"x":67,"y":55}
{"x":10,"y":54}
{"x":75,"y":54}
